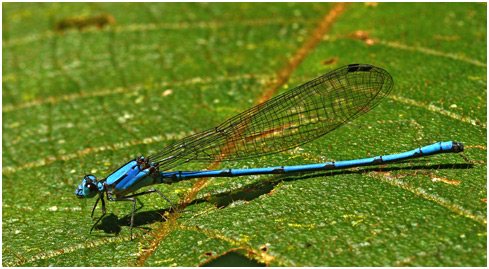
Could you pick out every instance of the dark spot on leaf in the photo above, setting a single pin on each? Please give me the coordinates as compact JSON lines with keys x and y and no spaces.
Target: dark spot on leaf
{"x":80,"y":23}
{"x":330,"y":61}
{"x":264,"y":248}
{"x":306,"y":245}
{"x":208,"y":253}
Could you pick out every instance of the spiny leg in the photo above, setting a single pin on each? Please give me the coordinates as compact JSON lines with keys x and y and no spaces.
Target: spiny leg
{"x":103,"y":212}
{"x":133,"y":208}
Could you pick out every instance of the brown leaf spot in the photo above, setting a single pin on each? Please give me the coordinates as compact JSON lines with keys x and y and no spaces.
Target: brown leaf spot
{"x":80,"y":23}
{"x":330,"y":61}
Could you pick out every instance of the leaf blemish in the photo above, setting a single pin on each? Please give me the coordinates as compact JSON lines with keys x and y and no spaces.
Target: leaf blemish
{"x":80,"y":23}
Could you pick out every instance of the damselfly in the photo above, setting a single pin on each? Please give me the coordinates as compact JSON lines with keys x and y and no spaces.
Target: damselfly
{"x":286,"y":121}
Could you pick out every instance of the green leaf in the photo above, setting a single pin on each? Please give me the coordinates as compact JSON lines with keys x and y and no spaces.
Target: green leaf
{"x":87,"y":86}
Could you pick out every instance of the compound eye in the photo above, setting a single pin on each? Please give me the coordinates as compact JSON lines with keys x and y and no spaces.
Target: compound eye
{"x":91,"y":186}
{"x":90,"y":190}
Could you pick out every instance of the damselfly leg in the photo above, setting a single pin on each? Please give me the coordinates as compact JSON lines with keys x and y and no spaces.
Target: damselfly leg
{"x":130,"y":198}
{"x":103,"y":212}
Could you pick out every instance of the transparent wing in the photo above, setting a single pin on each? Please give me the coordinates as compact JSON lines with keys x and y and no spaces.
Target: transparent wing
{"x":286,"y":121}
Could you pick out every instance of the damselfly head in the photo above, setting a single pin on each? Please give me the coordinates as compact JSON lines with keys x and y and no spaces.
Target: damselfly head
{"x":88,"y":188}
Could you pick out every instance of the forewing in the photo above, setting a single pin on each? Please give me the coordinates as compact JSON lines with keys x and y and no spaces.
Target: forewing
{"x":286,"y":121}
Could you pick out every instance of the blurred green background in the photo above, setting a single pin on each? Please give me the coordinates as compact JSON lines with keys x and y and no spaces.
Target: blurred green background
{"x":88,"y":86}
